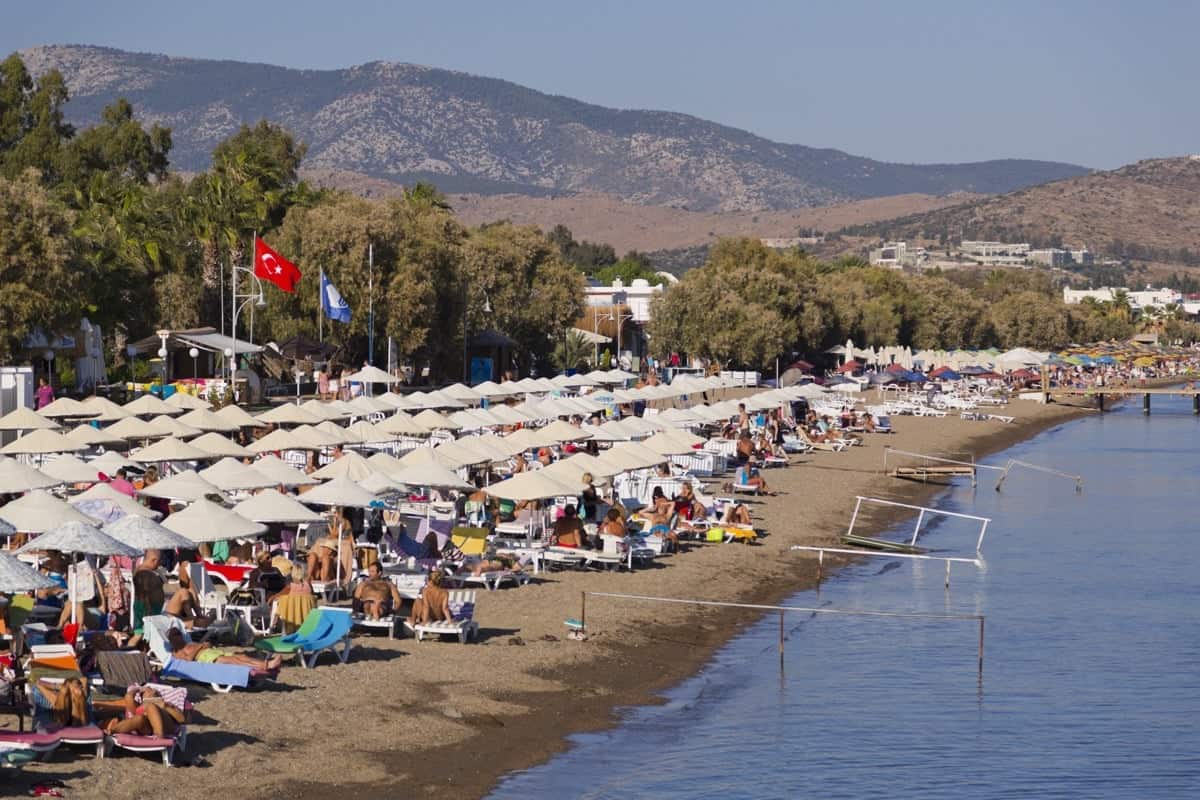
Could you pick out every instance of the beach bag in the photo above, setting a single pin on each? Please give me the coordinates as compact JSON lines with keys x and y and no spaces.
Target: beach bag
{"x":714,"y":535}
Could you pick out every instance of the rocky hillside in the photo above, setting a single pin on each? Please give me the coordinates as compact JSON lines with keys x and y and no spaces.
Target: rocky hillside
{"x":1147,"y":211}
{"x":402,"y":122}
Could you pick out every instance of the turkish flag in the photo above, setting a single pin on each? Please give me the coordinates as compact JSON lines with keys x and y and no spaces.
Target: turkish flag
{"x":270,"y":266}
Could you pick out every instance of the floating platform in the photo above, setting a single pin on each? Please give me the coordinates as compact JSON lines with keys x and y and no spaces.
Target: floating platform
{"x":940,"y":471}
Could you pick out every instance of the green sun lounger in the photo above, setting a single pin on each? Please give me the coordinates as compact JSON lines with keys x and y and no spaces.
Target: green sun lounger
{"x":330,"y":627}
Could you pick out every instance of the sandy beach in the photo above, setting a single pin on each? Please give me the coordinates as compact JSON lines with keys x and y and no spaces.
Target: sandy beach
{"x":409,"y":719}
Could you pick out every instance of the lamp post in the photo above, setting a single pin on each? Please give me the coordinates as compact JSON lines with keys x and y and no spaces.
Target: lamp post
{"x":162,"y":355}
{"x":194,"y":353}
{"x":487,"y":309}
{"x":49,"y":357}
{"x":229,"y":363}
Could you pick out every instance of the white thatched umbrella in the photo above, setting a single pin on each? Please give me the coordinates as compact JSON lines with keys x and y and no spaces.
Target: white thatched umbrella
{"x":69,"y":469}
{"x":186,"y":486}
{"x":351,"y":465}
{"x":281,"y":473}
{"x":133,"y":429}
{"x":109,"y":411}
{"x":93,"y":437}
{"x":102,"y":493}
{"x":68,"y":407}
{"x":204,"y":521}
{"x":42,"y":442}
{"x":270,"y":505}
{"x":217,"y":445}
{"x":238,"y":414}
{"x":26,"y":419}
{"x":207,"y":420}
{"x":169,"y":449}
{"x":17,"y":477}
{"x":289,"y":414}
{"x":280,"y":440}
{"x":337,"y":492}
{"x":169,"y":426}
{"x":146,"y":534}
{"x":230,"y":474}
{"x":17,"y":576}
{"x":148,"y":405}
{"x":78,"y":537}
{"x":188,"y":402}
{"x":402,"y":424}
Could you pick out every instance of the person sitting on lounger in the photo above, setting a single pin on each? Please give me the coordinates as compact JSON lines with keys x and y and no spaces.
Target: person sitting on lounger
{"x":322,"y":559}
{"x":376,"y":597}
{"x":568,"y":530}
{"x":868,"y":423}
{"x":203,"y":653}
{"x":185,"y":604}
{"x":434,"y":603}
{"x":68,"y":702}
{"x":737,"y":515}
{"x":745,"y":447}
{"x":613,"y":525}
{"x":748,"y":476}
{"x":143,"y":712}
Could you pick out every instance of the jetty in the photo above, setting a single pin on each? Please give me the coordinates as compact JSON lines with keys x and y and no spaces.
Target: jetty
{"x":1101,"y":392}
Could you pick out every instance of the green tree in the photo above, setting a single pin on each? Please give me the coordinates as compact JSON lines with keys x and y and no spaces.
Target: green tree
{"x":32,"y":127}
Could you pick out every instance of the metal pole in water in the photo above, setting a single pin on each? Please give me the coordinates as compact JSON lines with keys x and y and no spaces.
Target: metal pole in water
{"x":981,"y":648}
{"x":1146,"y":404}
{"x":947,"y":574}
{"x":781,"y":641}
{"x":1196,"y":403}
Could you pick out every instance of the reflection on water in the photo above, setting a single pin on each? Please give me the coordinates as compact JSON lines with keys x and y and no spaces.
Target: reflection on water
{"x":1092,"y":670}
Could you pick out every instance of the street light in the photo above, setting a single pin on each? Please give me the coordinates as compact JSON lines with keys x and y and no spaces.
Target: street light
{"x":194,"y":353}
{"x":229,"y":362}
{"x":487,"y":309}
{"x":49,"y":357}
{"x":162,"y":354}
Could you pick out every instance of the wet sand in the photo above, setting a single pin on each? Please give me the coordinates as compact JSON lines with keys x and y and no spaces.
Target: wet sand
{"x":410,"y":719}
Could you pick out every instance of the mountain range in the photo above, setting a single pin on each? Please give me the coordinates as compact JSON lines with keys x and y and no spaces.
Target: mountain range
{"x":465,"y":133}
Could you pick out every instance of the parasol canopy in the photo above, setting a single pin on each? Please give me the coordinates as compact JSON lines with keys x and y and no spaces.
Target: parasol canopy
{"x":205,"y":521}
{"x":146,"y":534}
{"x":41,"y":442}
{"x":76,"y":536}
{"x":339,"y":492}
{"x":270,"y":505}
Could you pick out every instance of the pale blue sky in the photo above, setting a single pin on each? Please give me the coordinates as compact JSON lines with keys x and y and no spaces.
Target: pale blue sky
{"x":1098,"y":83}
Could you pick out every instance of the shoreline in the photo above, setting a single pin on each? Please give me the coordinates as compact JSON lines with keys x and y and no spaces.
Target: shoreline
{"x":407,"y":718}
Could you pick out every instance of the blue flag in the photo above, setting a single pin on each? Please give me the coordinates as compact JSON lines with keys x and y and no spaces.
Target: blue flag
{"x":332,"y":302}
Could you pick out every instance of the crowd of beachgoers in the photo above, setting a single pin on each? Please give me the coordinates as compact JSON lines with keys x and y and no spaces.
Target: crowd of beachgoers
{"x":160,"y":545}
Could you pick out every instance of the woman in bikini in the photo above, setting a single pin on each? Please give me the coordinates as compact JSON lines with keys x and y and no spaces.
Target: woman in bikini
{"x":322,"y":558}
{"x":142,"y":711}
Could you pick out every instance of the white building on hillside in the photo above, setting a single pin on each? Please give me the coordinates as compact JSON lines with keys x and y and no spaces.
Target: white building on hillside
{"x":1145,"y":299}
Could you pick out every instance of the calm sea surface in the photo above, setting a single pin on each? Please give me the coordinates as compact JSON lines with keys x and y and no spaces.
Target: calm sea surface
{"x":1091,"y":685}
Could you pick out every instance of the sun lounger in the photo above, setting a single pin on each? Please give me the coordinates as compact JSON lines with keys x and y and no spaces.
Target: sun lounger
{"x":460,"y":624}
{"x":166,"y":746}
{"x":221,"y":677}
{"x":86,"y":735}
{"x":123,"y":668}
{"x":36,"y":743}
{"x":564,"y":556}
{"x":329,"y":628}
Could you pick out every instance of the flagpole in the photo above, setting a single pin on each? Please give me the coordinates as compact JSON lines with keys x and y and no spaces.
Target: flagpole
{"x":370,"y":303}
{"x":321,"y":307}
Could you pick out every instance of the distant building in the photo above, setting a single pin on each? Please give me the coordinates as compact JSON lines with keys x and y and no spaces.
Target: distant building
{"x":795,"y":241}
{"x":1083,"y":256}
{"x":627,"y":308}
{"x":1148,"y":299}
{"x":898,"y":255}
{"x":995,"y":252}
{"x":1051,"y":257}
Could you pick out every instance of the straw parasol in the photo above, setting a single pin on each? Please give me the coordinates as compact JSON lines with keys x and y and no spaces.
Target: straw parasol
{"x":186,"y":486}
{"x":363,"y":432}
{"x":68,"y":469}
{"x":230,"y":474}
{"x":238,"y":414}
{"x":457,"y":454}
{"x":378,"y":483}
{"x":16,"y":576}
{"x":667,"y":445}
{"x":110,"y":462}
{"x":270,"y":505}
{"x":558,"y":432}
{"x":351,"y":465}
{"x":188,"y":402}
{"x":39,"y":511}
{"x":26,"y":419}
{"x":520,"y":441}
{"x":217,"y":445}
{"x":387,"y":463}
{"x":337,"y":492}
{"x":68,"y":407}
{"x":17,"y":477}
{"x":205,"y":521}
{"x":324,"y":411}
{"x":280,"y":440}
{"x":169,"y":449}
{"x":207,"y":420}
{"x":41,"y":442}
{"x":369,"y":405}
{"x":148,"y":405}
{"x":289,"y":414}
{"x":422,"y":455}
{"x":281,"y":473}
{"x":371,"y":375}
{"x":78,"y":537}
{"x":532,"y":486}
{"x":146,"y":534}
{"x":317,"y":438}
{"x":434,"y":475}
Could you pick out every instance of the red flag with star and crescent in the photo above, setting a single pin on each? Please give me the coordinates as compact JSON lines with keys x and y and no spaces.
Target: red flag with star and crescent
{"x":270,"y":266}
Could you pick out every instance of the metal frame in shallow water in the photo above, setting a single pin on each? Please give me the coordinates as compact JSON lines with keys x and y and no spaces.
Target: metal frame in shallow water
{"x":583,"y":595}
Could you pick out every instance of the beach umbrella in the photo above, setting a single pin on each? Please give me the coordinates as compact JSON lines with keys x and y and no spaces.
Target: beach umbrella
{"x":17,"y":576}
{"x":39,"y":511}
{"x":17,"y":477}
{"x":533,"y":486}
{"x":333,"y":430}
{"x":489,"y":446}
{"x":351,"y":465}
{"x":388,"y":464}
{"x":229,"y":474}
{"x":280,"y":439}
{"x":369,"y":405}
{"x":371,"y":374}
{"x":66,"y":469}
{"x":324,"y":411}
{"x":68,"y":407}
{"x":41,"y":442}
{"x":425,"y":455}
{"x":169,"y":449}
{"x":108,"y":410}
{"x":378,"y":483}
{"x":281,"y":473}
{"x":394,"y":400}
{"x":111,"y":461}
{"x":103,"y":493}
{"x":463,"y":392}
{"x":558,"y":432}
{"x":133,"y":429}
{"x":238,"y":415}
{"x":93,"y":437}
{"x":170,"y":426}
{"x":456,"y":454}
{"x":317,"y":438}
{"x":270,"y":505}
{"x":145,"y":534}
{"x":667,"y":445}
{"x":148,"y":405}
{"x":289,"y":414}
{"x":401,"y":424}
{"x":217,"y":445}
{"x":188,"y":402}
{"x":363,"y":432}
{"x":26,"y":419}
{"x":492,"y":390}
{"x":510,"y":416}
{"x":205,"y":521}
{"x":339,"y":492}
{"x":519,"y":441}
{"x":78,"y":537}
{"x":207,"y":420}
{"x":433,"y":475}
{"x":186,"y":486}
{"x":880,"y":378}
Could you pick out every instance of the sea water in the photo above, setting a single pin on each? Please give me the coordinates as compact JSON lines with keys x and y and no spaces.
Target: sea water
{"x":1091,"y":681}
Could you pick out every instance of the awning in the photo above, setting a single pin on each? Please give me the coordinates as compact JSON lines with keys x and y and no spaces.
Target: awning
{"x":201,"y":338}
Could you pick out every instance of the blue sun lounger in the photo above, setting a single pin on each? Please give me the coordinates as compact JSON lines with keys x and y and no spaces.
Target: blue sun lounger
{"x":323,"y":630}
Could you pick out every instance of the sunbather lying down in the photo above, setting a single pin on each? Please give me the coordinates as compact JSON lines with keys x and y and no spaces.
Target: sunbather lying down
{"x":203,"y":653}
{"x":496,"y":564}
{"x":141,"y":711}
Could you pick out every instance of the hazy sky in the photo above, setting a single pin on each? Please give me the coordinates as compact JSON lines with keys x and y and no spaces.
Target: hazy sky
{"x":1098,"y":83}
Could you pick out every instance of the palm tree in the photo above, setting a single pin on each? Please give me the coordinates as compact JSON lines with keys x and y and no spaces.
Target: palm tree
{"x":571,"y":352}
